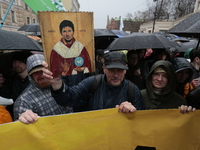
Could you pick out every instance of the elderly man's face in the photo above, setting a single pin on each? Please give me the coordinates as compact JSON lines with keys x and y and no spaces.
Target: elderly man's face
{"x":19,"y":66}
{"x":114,"y":76}
{"x":40,"y":80}
{"x":67,"y":34}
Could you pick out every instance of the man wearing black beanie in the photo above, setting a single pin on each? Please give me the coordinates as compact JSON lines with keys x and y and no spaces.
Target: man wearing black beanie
{"x":20,"y":80}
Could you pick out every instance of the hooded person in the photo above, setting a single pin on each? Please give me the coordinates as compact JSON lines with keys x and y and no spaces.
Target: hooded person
{"x":160,"y":84}
{"x":37,"y":96}
{"x":184,"y":73}
{"x":68,"y":55}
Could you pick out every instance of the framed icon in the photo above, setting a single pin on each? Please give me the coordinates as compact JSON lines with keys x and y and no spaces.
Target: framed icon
{"x":68,"y":41}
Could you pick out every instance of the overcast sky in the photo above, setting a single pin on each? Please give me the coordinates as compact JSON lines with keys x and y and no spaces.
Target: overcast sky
{"x":113,"y":8}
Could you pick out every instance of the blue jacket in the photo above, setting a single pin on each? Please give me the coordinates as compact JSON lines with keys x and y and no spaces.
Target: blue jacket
{"x":106,"y":96}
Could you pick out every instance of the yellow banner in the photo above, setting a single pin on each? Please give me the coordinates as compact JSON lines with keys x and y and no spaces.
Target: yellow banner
{"x":106,"y":130}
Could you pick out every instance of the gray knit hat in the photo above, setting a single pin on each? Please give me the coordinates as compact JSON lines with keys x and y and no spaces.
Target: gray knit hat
{"x":34,"y":63}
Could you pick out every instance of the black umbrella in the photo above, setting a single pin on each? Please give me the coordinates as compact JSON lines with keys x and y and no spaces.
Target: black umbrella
{"x":142,"y":41}
{"x":120,"y":33}
{"x":181,"y":39}
{"x":169,"y":36}
{"x":34,"y":27}
{"x":186,"y":45}
{"x":15,"y":41}
{"x":103,"y":37}
{"x":189,"y":27}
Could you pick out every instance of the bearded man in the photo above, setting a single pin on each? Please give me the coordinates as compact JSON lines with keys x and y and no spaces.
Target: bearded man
{"x":36,"y":98}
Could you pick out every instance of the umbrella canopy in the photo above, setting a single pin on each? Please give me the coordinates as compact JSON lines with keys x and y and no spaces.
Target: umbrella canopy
{"x":181,"y":39}
{"x":34,"y":27}
{"x":186,"y":45}
{"x":120,"y":33}
{"x":103,"y":38}
{"x":142,"y":41}
{"x":36,"y":38}
{"x":104,"y":32}
{"x":188,"y":27}
{"x":169,"y":36}
{"x":16,"y":41}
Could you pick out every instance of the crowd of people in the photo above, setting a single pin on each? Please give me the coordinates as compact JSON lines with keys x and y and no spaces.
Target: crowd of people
{"x":128,"y":81}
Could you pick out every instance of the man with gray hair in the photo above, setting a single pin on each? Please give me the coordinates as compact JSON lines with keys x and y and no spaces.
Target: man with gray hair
{"x":36,"y":99}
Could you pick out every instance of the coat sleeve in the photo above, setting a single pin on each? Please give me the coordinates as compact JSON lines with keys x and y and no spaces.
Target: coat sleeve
{"x":73,"y":96}
{"x":20,"y":106}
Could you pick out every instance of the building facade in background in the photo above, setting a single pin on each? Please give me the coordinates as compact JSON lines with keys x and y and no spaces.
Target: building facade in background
{"x":20,"y":14}
{"x":161,"y":25}
{"x":129,"y":25}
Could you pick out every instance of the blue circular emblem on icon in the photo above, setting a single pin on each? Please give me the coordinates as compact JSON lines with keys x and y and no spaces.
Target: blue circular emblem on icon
{"x":79,"y":61}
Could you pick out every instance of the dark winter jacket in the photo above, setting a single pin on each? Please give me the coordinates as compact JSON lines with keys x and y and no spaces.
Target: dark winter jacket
{"x":196,"y":73}
{"x":167,"y":98}
{"x":179,"y":65}
{"x":106,"y":96}
{"x":138,"y":80}
{"x":193,"y":98}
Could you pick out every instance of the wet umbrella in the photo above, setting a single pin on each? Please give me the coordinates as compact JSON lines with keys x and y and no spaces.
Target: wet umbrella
{"x":103,"y":37}
{"x":181,"y":39}
{"x":169,"y":36}
{"x":189,"y":27}
{"x":142,"y":41}
{"x":120,"y":33}
{"x":16,"y":41}
{"x":186,"y":45}
{"x":34,"y":27}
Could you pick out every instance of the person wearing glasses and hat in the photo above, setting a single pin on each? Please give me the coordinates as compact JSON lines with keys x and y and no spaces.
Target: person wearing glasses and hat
{"x":160,"y":85}
{"x":36,"y":99}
